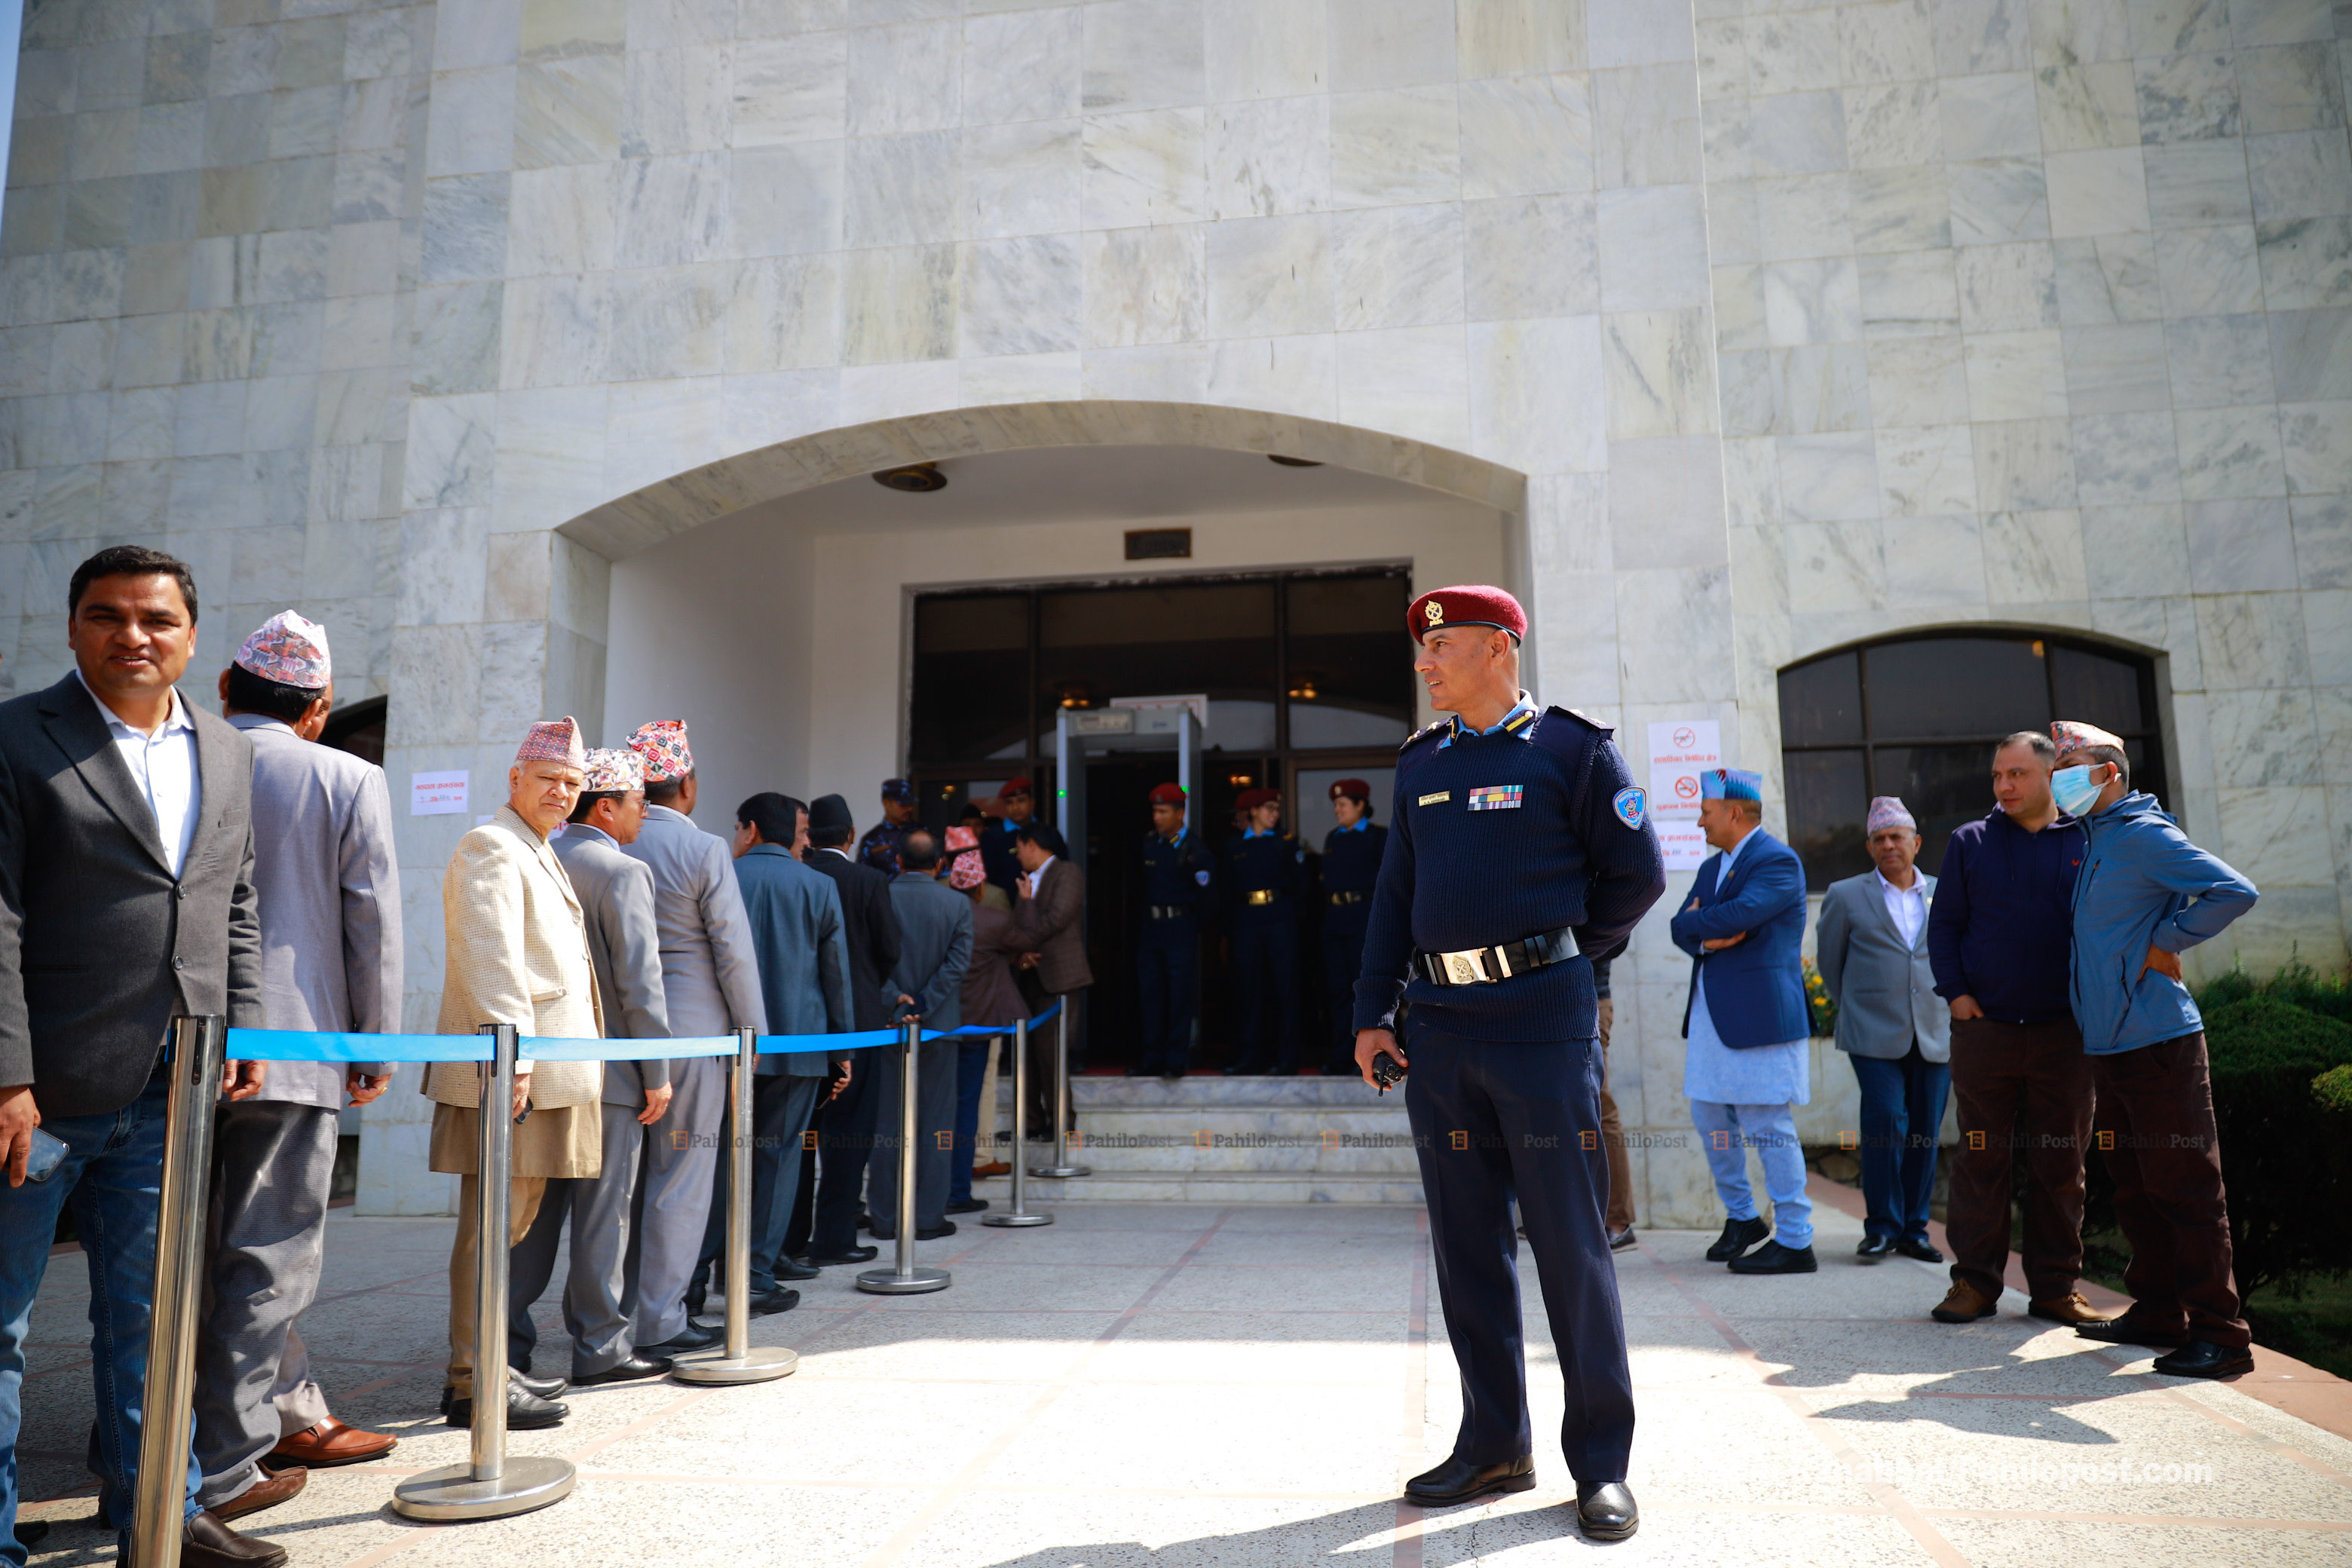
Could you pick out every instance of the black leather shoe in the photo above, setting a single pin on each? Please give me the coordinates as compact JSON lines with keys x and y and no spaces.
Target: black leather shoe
{"x":545,"y":1387}
{"x":1920,"y":1247}
{"x":850,"y":1255}
{"x":2123,"y":1331}
{"x":693,"y":1337}
{"x":1622,"y":1240}
{"x":1459,"y":1480}
{"x":2203,"y":1358}
{"x":1739,"y":1236}
{"x":777,"y":1300}
{"x":31,"y":1532}
{"x":209,"y":1544}
{"x":1774,"y":1258}
{"x":788,"y":1269}
{"x":1605,"y":1510}
{"x":526,"y":1411}
{"x":969,"y":1206}
{"x":945,"y":1228}
{"x":637,"y":1368}
{"x":1875,"y":1249}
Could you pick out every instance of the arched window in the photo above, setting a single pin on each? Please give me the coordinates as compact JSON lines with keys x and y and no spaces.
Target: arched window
{"x":1918,"y":717}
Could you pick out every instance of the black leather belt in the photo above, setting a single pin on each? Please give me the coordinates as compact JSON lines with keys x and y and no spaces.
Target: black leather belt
{"x":1485,"y":965}
{"x":1167,"y":911}
{"x":1350,"y":897}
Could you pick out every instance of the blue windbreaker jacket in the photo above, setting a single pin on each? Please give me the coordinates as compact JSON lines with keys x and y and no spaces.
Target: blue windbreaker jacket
{"x":2143,"y":885}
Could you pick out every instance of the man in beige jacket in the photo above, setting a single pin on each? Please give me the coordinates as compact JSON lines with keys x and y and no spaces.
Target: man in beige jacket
{"x":517,"y":946}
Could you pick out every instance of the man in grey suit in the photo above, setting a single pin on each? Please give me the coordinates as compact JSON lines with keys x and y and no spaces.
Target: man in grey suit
{"x":710,"y":981}
{"x":126,"y":900}
{"x":329,"y":888}
{"x":1049,"y":912}
{"x":934,"y":951}
{"x":617,"y":896}
{"x":1872,"y":947}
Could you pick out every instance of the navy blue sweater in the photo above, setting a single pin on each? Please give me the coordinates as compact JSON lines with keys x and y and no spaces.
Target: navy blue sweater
{"x":1268,"y":862}
{"x":1178,"y":874}
{"x":2001,"y":923}
{"x":1466,"y":868}
{"x":1351,"y":858}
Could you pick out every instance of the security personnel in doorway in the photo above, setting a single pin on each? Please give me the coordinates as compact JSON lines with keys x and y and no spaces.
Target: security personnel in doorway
{"x":879,"y":847}
{"x":1351,"y":864}
{"x":1264,"y":874}
{"x":1520,"y":850}
{"x":1017,"y":800}
{"x":1177,"y":888}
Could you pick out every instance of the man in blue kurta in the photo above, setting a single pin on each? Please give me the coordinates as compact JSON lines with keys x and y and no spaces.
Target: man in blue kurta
{"x":1746,"y":1024}
{"x":1519,"y":851}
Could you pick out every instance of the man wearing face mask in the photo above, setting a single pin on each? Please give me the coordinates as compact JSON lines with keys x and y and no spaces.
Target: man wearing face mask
{"x":2144,"y":894}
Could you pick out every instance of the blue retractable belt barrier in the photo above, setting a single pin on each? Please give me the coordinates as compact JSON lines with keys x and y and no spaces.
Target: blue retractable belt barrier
{"x":772,"y":1045}
{"x":322,"y":1046}
{"x":552,"y":1049}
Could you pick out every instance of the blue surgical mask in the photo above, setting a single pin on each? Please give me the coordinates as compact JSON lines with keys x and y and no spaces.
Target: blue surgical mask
{"x":2074,"y":789}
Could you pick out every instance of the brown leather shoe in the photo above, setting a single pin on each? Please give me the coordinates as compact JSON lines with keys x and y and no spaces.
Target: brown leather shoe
{"x":274,"y":1488}
{"x":209,"y":1544}
{"x":328,"y":1444}
{"x":1963,"y":1303}
{"x":2071,"y":1308}
{"x":993,"y":1168}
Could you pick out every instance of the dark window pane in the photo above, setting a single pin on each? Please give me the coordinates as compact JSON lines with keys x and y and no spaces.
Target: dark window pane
{"x":1350,"y":664}
{"x":1214,"y":637}
{"x":1942,"y":786}
{"x":2099,"y":690}
{"x":1821,"y":702}
{"x":1828,"y":801}
{"x":971,"y":679}
{"x":1956,"y":686}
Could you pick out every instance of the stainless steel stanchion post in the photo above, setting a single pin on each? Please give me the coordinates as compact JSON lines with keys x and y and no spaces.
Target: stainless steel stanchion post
{"x":162,"y":1494}
{"x":906,"y":1279}
{"x":1018,"y":1215}
{"x":1062,"y":1166}
{"x":738,"y":1362}
{"x":491,"y":1485}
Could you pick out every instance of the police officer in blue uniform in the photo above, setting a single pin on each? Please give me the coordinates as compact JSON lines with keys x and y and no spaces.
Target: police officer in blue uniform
{"x":1351,"y":864}
{"x":1018,"y":799}
{"x":1178,"y":885}
{"x":1519,"y":851}
{"x":1266,"y":872}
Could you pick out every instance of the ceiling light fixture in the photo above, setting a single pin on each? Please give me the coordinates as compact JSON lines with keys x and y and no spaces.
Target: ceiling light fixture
{"x":914,"y":479}
{"x":1292,"y":462}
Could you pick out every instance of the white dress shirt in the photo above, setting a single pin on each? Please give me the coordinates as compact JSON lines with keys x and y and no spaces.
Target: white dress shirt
{"x":1037,"y":879}
{"x":1906,"y":906}
{"x":163,"y":768}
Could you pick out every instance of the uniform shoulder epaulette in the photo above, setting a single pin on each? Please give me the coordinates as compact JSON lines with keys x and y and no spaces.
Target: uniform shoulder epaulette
{"x":1587,"y":720}
{"x":1423,"y":733}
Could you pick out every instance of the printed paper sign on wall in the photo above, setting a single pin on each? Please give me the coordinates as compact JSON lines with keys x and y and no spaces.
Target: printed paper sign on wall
{"x":1679,"y":751}
{"x":437,"y":794}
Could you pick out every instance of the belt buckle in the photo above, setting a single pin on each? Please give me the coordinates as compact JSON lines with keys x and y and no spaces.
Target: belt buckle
{"x":1463,"y":968}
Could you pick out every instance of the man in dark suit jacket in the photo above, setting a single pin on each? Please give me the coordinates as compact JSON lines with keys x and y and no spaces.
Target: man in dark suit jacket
{"x":126,"y":900}
{"x":1049,"y":914}
{"x":845,"y":1124}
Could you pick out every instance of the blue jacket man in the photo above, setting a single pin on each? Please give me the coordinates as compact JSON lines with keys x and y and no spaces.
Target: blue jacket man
{"x":2145,"y":894}
{"x":1519,"y":852}
{"x":1746,"y":1025}
{"x":1179,"y":890}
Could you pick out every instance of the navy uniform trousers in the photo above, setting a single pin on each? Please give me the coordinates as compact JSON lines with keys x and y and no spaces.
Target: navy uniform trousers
{"x":1343,"y":960}
{"x":1265,"y":981}
{"x":1167,"y":964}
{"x":1494,"y":1120}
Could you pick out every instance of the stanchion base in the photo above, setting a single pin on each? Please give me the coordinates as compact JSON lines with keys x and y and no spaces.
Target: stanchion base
{"x":1016,"y":1219}
{"x":451,"y":1492}
{"x":887,"y":1282}
{"x":757,"y":1364}
{"x":1061,"y":1171}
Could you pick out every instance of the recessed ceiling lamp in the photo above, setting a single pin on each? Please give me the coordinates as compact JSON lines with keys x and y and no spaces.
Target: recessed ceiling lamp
{"x":915,"y":479}
{"x":1292,"y":462}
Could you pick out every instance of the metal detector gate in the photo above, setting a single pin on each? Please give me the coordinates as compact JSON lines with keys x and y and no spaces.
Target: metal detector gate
{"x":1129,"y":724}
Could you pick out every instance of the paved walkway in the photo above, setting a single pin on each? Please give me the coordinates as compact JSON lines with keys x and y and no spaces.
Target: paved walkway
{"x":1176,"y":1385}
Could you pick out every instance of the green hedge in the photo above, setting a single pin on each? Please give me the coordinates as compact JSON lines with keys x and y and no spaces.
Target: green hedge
{"x":2333,"y":1090}
{"x":2283,"y":1155}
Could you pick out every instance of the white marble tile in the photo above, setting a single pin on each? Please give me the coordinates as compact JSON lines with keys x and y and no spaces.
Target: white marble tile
{"x":1751,"y":483}
{"x":2117,"y":370}
{"x":791,"y":89}
{"x":1397,"y":267}
{"x":1660,"y":373}
{"x":1933,"y":562}
{"x":672,"y":426}
{"x":1901,"y":209}
{"x":1792,"y":51}
{"x":2135,"y":552}
{"x":2307,"y":263}
{"x":1989,"y":116}
{"x":2300,"y":173}
{"x":1143,"y":54}
{"x":1408,"y":379}
{"x":877,"y":391}
{"x":905,"y":78}
{"x":1145,"y":286}
{"x":1897,"y":125}
{"x":1828,"y":478}
{"x":1266,"y":48}
{"x":1145,"y":168}
{"x":1531,"y":256}
{"x":2085,"y":106}
{"x":555,"y":331}
{"x":2123,"y":459}
{"x":2250,"y":639}
{"x":1652,"y":249}
{"x":2033,"y":557}
{"x":1538,"y":390}
{"x":1798,"y":134}
{"x":1835,"y":566}
{"x":1805,"y":215}
{"x":2106,"y":281}
{"x":1394,"y":43}
{"x":1646,"y":124}
{"x":898,"y":190}
{"x":1811,"y":301}
{"x":1914,"y":294}
{"x":1999,"y":200}
{"x":1918,"y":381}
{"x":1269,"y":157}
{"x":2240,"y":546}
{"x":2024,"y":465}
{"x":2231,"y":453}
{"x":1926,"y":471}
{"x":1400,"y":145}
{"x":2263,"y":738}
{"x":471,"y":129}
{"x":899,"y":304}
{"x":676,"y":101}
{"x":1975,"y":36}
{"x":2327,"y":630}
{"x":669,"y":322}
{"x":2317,"y":438}
{"x":2219,"y":360}
{"x":2187,"y":97}
{"x":2323,"y":541}
{"x":671,"y":211}
{"x":1893,"y":40}
{"x":568,"y":111}
{"x":452,"y":451}
{"x":1024,"y":378}
{"x":2016,"y":376}
{"x":1529,"y":135}
{"x":1177,"y":373}
{"x":2311,"y":351}
{"x":456,"y":338}
{"x":786,"y":200}
{"x":2195,"y":185}
{"x":2290,"y":87}
{"x":2096,"y":193}
{"x":2208,"y":271}
{"x":1019,"y":296}
{"x":1300,"y":375}
{"x":1673,"y":633}
{"x":1270,"y":277}
{"x":465,"y":229}
{"x":550,"y":457}
{"x":1664,"y":504}
{"x":2007,"y":287}
{"x":1797,"y":391}
{"x":1023,"y":178}
{"x":1021,"y":65}
{"x":2277,"y":837}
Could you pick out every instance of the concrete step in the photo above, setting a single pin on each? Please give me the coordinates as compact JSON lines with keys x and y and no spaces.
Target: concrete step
{"x":1110,"y":1185}
{"x":1203,"y":1089}
{"x":1269,"y":1139}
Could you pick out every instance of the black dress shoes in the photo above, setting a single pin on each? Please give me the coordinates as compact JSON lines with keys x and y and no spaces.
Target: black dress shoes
{"x":2123,"y":1331}
{"x":209,"y":1544}
{"x":1920,"y":1247}
{"x":1739,"y":1236}
{"x":939,"y":1232}
{"x":786,"y":1268}
{"x":1774,"y":1258}
{"x":545,"y":1387}
{"x":1459,"y":1480}
{"x":693,"y":1337}
{"x":637,"y":1368}
{"x":526,"y":1411}
{"x":1605,"y":1510}
{"x":2203,"y":1358}
{"x":969,"y":1206}
{"x":1875,"y":1249}
{"x":773,"y":1301}
{"x":847,"y":1255}
{"x":31,"y":1532}
{"x":1620,"y":1240}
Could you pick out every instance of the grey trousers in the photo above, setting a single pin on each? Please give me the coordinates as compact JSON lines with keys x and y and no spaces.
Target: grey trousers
{"x":935,"y":1096}
{"x":272,"y":1164}
{"x":673,"y":1202}
{"x":598,"y":1209}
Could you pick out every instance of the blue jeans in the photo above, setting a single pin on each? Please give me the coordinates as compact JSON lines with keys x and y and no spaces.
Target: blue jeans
{"x":972,"y":1071}
{"x":1726,"y":1133}
{"x":1902,"y":1114}
{"x":112,"y":1176}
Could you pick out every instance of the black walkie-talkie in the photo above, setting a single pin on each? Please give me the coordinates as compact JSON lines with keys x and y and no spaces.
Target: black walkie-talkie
{"x":1385,"y":1071}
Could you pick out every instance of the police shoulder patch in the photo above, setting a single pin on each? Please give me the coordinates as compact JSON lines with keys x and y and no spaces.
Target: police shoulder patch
{"x":1630,"y":804}
{"x":1202,"y":878}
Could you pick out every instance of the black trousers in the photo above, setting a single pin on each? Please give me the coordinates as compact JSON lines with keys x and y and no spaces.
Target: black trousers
{"x":845,"y":1144}
{"x":1265,"y":976}
{"x":1343,"y":958}
{"x":1167,"y":967}
{"x":1492,"y":1122}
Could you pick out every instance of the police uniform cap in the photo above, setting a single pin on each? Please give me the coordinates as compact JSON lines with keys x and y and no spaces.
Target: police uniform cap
{"x":899,"y":791}
{"x":1166,"y":795}
{"x":1466,"y":605}
{"x":1353,"y":789}
{"x":1016,"y":787}
{"x":1251,"y":799}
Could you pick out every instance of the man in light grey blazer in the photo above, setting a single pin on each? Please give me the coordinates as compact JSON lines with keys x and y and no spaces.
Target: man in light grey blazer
{"x":328,"y":886}
{"x":617,"y":896}
{"x":710,"y":981}
{"x":1872,"y":947}
{"x":934,"y":951}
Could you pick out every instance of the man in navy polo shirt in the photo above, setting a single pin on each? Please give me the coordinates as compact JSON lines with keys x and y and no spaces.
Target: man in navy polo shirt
{"x":1520,"y":850}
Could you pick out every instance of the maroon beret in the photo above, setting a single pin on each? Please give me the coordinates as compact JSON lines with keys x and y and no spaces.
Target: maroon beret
{"x":1016,"y":787}
{"x":1354,"y":789}
{"x":1168,"y":795}
{"x":1466,"y":605}
{"x":1251,"y":799}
